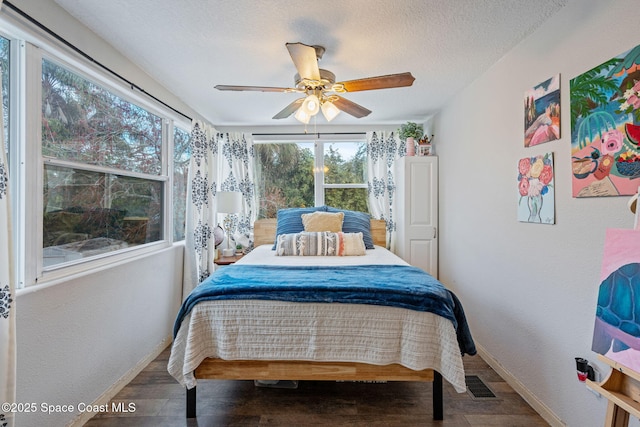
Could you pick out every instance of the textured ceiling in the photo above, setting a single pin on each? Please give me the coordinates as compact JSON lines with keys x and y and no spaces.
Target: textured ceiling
{"x":192,"y":45}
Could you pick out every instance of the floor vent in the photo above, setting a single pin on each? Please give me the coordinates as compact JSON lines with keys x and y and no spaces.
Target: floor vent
{"x":478,"y":389}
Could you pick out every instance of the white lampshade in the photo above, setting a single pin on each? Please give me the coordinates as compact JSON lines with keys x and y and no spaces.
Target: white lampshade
{"x":329,"y":110}
{"x":311,"y":105}
{"x":302,"y":116}
{"x":229,"y":201}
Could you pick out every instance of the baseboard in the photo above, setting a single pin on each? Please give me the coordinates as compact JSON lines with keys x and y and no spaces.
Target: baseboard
{"x":519,"y":388}
{"x":111,"y":392}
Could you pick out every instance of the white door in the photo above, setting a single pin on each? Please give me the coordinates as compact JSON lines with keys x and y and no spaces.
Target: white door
{"x":418,"y":212}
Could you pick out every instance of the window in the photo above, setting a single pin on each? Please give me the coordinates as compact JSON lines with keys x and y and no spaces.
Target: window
{"x":299,"y":174}
{"x":103,"y":186}
{"x":284,"y":176}
{"x":5,"y":45}
{"x":345,"y":177}
{"x":181,"y":158}
{"x":87,"y":124}
{"x":101,"y":182}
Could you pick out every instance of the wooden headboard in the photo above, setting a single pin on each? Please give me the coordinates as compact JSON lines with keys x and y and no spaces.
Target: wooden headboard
{"x":264,"y":232}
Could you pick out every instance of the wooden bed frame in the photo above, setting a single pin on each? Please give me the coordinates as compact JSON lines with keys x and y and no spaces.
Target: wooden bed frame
{"x":211,"y":368}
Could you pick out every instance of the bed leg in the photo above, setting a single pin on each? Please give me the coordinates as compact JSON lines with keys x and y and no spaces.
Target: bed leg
{"x":438,"y":402}
{"x":191,"y":402}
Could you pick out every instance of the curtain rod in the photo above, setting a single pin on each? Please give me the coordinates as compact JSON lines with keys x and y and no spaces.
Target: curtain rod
{"x":301,"y":137}
{"x":309,"y":134}
{"x":84,"y":55}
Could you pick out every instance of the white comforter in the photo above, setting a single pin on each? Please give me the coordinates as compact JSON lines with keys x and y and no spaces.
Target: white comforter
{"x":279,"y":330}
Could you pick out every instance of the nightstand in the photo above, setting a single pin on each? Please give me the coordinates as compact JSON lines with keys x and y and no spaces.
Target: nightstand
{"x":226,"y":260}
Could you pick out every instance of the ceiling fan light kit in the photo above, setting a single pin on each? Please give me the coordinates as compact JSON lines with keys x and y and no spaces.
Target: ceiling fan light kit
{"x":311,"y":105}
{"x":302,"y":116}
{"x":329,"y":110}
{"x":320,"y":87}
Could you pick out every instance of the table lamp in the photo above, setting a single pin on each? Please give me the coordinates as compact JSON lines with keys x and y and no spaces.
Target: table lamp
{"x":229,"y":202}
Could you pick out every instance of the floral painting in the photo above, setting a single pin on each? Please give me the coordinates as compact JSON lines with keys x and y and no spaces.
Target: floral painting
{"x":616,"y":333}
{"x":605,"y":128}
{"x":542,"y":112}
{"x":536,"y":201}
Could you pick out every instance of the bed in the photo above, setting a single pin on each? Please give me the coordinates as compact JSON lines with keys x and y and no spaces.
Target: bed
{"x":272,"y":339}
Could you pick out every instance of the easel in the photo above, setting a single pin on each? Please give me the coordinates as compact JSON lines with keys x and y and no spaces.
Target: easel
{"x":622,"y":388}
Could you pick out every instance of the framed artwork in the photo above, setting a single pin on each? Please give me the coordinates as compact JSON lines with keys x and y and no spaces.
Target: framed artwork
{"x":542,"y":112}
{"x":605,"y":128}
{"x":616,"y":333}
{"x":536,"y":202}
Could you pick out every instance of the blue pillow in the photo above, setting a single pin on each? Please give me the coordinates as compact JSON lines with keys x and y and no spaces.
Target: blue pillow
{"x":290,"y":220}
{"x":356,"y":222}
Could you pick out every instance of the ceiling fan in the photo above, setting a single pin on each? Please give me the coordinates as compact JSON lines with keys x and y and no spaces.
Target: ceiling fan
{"x":320,"y":87}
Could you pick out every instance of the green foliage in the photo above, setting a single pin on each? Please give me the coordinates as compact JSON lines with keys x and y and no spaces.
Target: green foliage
{"x":411,"y":130}
{"x":285,"y":178}
{"x":340,"y":171}
{"x":85,"y":124}
{"x":354,"y":199}
{"x":181,"y":158}
{"x":4,"y":66}
{"x":592,"y":89}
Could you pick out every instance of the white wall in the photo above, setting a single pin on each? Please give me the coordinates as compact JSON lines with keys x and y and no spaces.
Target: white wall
{"x":80,"y":339}
{"x":530,"y":290}
{"x":48,"y":13}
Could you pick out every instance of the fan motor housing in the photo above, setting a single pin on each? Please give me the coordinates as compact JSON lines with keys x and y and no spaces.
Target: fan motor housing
{"x":327,"y":79}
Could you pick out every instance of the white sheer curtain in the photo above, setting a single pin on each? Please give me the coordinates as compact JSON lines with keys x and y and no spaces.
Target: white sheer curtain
{"x":383,"y":149}
{"x":219,"y":162}
{"x":7,"y":290}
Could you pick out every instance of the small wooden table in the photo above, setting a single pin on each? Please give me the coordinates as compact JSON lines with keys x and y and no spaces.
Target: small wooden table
{"x":226,"y":260}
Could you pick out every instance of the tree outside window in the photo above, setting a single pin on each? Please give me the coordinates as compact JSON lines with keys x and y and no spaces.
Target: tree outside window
{"x":103,"y":189}
{"x":288,"y":174}
{"x":181,"y":159}
{"x":6,"y":72}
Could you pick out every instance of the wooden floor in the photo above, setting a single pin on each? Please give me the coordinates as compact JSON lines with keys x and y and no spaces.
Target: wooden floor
{"x":160,"y":401}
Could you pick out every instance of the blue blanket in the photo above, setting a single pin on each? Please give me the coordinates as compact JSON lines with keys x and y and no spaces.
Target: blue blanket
{"x":387,"y":285}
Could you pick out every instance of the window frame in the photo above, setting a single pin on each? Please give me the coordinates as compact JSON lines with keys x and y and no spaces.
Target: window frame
{"x":320,"y":168}
{"x":38,"y":273}
{"x":27,"y":185}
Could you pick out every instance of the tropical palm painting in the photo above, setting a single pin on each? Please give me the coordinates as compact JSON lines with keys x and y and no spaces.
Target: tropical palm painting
{"x":605,"y":128}
{"x":542,"y":112}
